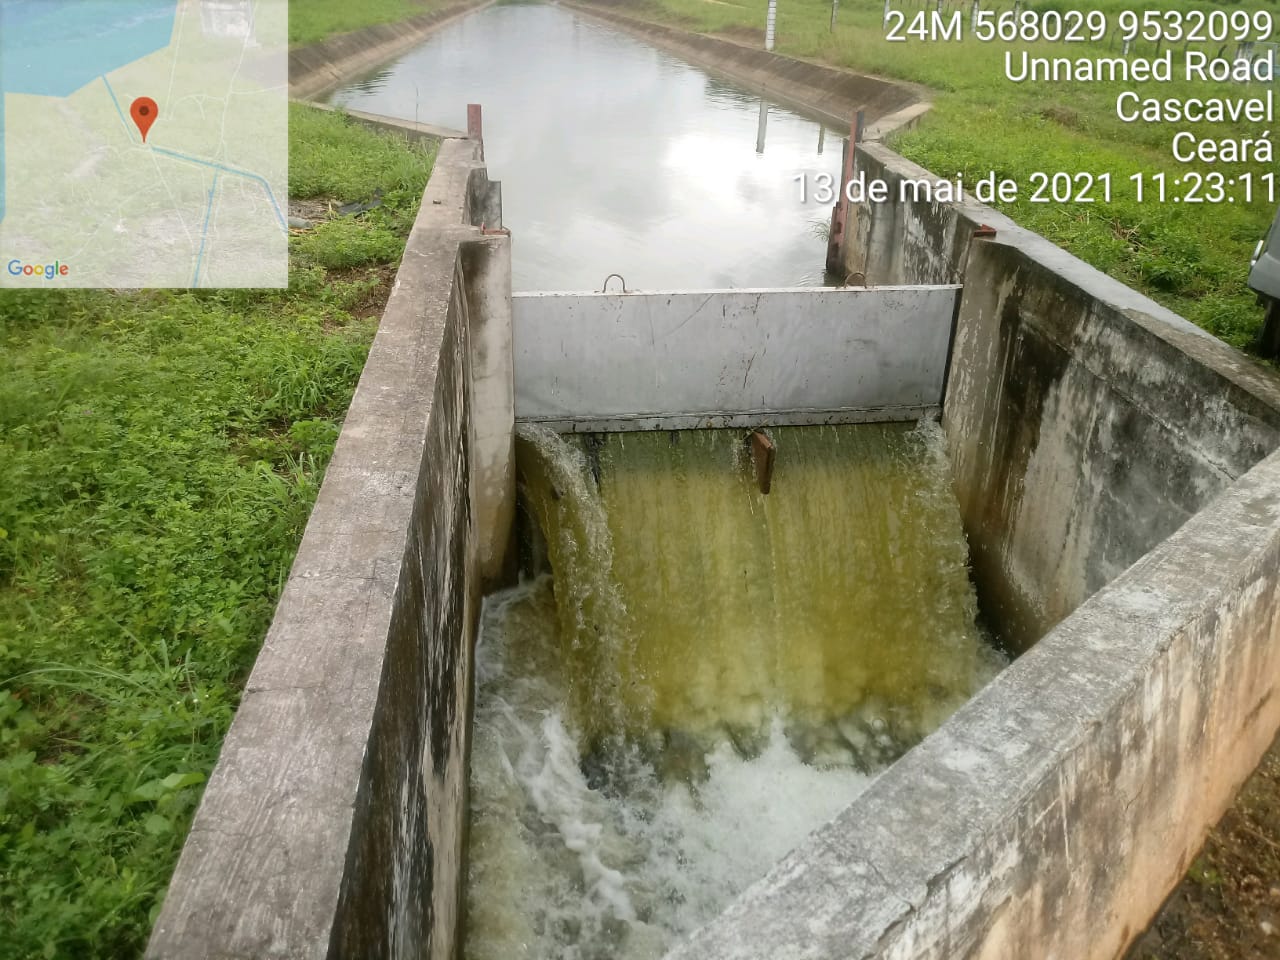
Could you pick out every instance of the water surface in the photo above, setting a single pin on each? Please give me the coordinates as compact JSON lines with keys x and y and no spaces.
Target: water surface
{"x":615,"y":157}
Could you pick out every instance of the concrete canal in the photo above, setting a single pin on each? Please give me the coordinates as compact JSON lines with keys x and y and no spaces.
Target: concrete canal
{"x":705,"y":654}
{"x":740,"y":702}
{"x":615,"y":156}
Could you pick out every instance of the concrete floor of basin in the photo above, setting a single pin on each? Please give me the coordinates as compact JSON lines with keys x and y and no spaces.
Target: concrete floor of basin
{"x":1227,"y":907}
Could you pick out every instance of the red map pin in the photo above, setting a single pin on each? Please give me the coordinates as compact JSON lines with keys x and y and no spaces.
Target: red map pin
{"x":144,"y":112}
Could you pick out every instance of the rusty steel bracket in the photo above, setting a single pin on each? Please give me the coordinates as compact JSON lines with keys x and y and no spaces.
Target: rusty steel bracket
{"x":763,"y":453}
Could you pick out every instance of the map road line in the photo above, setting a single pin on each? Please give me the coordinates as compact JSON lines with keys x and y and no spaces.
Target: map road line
{"x":117,"y":103}
{"x":204,"y":234}
{"x":235,"y":173}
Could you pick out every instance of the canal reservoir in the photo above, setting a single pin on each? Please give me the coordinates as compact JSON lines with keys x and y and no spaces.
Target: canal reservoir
{"x":617,"y":157}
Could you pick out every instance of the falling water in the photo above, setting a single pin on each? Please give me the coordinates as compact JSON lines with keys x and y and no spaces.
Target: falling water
{"x":711,"y":673}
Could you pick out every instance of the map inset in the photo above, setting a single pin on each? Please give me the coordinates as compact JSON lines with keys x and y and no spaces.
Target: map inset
{"x":143,"y":143}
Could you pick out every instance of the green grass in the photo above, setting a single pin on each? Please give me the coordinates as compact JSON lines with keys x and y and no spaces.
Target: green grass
{"x":1192,"y":258}
{"x":159,"y":455}
{"x":311,"y":21}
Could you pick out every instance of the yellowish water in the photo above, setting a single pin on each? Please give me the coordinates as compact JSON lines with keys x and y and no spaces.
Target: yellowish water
{"x":708,"y":674}
{"x":845,"y":586}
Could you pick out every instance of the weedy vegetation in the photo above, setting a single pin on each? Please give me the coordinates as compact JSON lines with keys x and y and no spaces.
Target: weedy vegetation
{"x":311,"y":21}
{"x":159,"y":455}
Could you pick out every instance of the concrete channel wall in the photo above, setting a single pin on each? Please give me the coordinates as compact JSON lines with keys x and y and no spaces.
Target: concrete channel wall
{"x":826,"y":93}
{"x":1082,"y":435}
{"x":334,"y":823}
{"x":729,"y":358}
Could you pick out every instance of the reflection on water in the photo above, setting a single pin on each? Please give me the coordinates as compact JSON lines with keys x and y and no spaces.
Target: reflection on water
{"x":615,"y":156}
{"x":370,"y":83}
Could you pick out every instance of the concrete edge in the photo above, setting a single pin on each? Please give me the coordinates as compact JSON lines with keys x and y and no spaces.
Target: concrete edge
{"x":714,"y":420}
{"x":823,"y":92}
{"x":319,"y":67}
{"x":903,"y":119}
{"x":385,"y":124}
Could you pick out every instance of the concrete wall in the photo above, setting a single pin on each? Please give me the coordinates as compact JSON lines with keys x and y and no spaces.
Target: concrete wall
{"x":487,"y":266}
{"x":409,"y":129}
{"x":1049,"y":816}
{"x":731,"y":357}
{"x":1081,"y":434}
{"x":334,"y":822}
{"x":826,"y":93}
{"x":918,"y":241}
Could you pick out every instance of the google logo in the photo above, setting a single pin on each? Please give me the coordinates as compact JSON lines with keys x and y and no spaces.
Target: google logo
{"x":47,"y":270}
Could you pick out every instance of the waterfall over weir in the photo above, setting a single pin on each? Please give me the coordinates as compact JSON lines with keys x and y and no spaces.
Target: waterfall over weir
{"x":708,"y":673}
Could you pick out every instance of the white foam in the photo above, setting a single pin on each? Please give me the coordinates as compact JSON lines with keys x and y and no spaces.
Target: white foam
{"x":562,"y":868}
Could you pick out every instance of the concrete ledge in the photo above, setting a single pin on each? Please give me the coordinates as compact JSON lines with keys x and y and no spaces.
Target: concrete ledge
{"x":384,"y":124}
{"x":334,"y":823}
{"x":319,"y":67}
{"x":825,"y":93}
{"x":1048,"y":817}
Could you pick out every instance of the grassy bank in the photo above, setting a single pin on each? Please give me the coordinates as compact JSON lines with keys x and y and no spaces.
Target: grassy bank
{"x":1192,"y":257}
{"x":159,"y":455}
{"x":311,"y":21}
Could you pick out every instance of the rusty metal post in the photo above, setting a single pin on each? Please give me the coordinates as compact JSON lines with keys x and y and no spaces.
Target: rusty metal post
{"x":762,"y":457}
{"x":475,"y":126}
{"x":836,"y":230}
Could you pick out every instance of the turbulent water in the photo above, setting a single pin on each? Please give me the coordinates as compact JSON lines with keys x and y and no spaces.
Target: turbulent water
{"x":711,"y":674}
